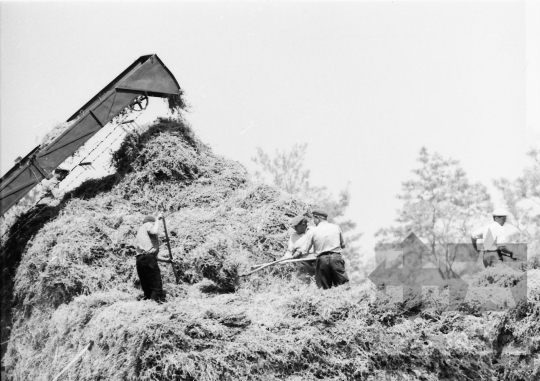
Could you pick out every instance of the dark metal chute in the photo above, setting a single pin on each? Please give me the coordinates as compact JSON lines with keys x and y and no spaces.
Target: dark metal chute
{"x":146,"y":77}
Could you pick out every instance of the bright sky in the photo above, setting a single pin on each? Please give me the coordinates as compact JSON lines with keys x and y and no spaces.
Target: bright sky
{"x":365,"y":84}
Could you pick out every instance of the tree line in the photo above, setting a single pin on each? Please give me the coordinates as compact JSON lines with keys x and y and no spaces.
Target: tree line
{"x":439,"y":203}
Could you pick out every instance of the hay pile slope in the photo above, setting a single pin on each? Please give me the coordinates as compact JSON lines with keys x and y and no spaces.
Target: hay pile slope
{"x":76,"y":282}
{"x":219,"y":224}
{"x":276,"y":330}
{"x":217,"y":220}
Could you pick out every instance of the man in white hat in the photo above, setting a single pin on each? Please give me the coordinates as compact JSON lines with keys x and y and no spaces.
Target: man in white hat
{"x":297,"y":241}
{"x":494,"y":239}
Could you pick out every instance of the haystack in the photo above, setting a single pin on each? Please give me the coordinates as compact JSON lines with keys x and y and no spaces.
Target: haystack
{"x":74,"y":282}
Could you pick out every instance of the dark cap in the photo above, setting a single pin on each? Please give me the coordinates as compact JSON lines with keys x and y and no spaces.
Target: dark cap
{"x":149,"y":219}
{"x":319,"y":212}
{"x":61,"y":171}
{"x":297,"y":220}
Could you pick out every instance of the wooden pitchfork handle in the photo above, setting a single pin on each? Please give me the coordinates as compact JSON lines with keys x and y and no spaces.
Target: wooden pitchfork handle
{"x":264,"y":266}
{"x":175,"y":271}
{"x":289,"y":260}
{"x":278,"y":261}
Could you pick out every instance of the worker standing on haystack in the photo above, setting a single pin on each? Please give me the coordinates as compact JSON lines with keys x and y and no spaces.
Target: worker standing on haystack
{"x":494,"y":239}
{"x":147,"y":259}
{"x":327,"y":241}
{"x":45,"y":208}
{"x":49,"y":188}
{"x":297,"y":241}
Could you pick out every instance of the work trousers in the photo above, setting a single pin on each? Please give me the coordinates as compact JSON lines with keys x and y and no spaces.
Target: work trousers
{"x":43,"y":213}
{"x":150,"y":277}
{"x":491,"y":258}
{"x":330,"y":270}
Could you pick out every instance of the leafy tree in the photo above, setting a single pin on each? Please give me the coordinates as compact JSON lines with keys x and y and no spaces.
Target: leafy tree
{"x":522,"y":198}
{"x":440,"y":206}
{"x":286,"y":171}
{"x":285,"y":168}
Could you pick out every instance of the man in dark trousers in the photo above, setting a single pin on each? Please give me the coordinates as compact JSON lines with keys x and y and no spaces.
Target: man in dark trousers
{"x":49,"y":188}
{"x":493,"y":240}
{"x":148,"y":257}
{"x":46,"y":206}
{"x":327,"y":241}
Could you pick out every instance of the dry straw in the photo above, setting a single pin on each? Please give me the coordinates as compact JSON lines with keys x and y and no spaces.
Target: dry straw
{"x":75,"y":283}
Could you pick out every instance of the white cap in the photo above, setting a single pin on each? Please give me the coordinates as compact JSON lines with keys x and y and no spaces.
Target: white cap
{"x":500,"y":212}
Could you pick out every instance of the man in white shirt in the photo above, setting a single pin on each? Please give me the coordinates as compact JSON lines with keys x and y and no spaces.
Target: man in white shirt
{"x":46,"y":205}
{"x":494,"y":239}
{"x":327,"y":242}
{"x":49,"y":191}
{"x":147,"y":258}
{"x":297,"y":241}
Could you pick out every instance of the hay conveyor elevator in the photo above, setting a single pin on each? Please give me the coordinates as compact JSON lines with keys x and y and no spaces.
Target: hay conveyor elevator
{"x":146,"y":77}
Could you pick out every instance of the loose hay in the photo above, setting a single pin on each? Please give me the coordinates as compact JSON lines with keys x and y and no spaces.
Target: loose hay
{"x":75,"y":282}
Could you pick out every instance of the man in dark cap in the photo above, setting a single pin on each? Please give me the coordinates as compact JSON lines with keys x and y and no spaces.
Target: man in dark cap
{"x":147,"y":259}
{"x":49,"y":188}
{"x":45,"y":207}
{"x":327,"y":242}
{"x":297,"y":241}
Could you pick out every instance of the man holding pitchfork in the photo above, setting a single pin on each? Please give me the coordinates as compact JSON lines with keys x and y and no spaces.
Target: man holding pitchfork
{"x":147,"y":258}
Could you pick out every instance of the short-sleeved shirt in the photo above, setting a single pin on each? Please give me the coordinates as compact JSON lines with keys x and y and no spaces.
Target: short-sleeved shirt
{"x":146,"y":240}
{"x":46,"y":196}
{"x":298,"y":242}
{"x":325,"y":237}
{"x":493,"y":235}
